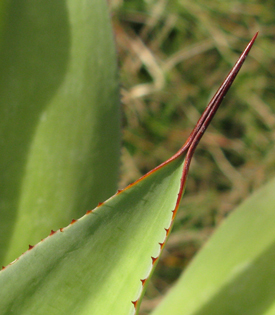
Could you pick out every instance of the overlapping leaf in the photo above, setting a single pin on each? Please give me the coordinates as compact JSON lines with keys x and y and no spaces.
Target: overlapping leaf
{"x":59,"y":117}
{"x":235,"y":271}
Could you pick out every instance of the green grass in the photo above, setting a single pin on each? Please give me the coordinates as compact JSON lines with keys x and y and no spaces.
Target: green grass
{"x":172,"y":57}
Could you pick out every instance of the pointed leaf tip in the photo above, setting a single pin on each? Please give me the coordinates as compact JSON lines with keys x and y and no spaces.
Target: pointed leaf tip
{"x":207,"y":116}
{"x":216,"y":100}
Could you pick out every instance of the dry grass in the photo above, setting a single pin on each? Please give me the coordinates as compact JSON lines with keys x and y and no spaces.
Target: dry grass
{"x":172,"y":56}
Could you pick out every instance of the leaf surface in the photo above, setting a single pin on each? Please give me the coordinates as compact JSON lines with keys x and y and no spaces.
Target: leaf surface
{"x":59,"y":112}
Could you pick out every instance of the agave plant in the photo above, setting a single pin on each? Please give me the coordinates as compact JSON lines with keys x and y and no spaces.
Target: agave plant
{"x":60,"y":154}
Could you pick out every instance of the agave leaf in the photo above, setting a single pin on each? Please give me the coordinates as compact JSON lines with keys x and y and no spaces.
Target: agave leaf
{"x":59,"y":111}
{"x":100,"y":263}
{"x":235,"y":272}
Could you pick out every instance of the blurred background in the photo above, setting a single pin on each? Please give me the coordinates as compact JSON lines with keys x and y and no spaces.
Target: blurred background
{"x":173,"y":55}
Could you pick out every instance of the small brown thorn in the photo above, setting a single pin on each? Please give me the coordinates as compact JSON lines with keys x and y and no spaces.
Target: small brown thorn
{"x":143,"y":281}
{"x":52,"y":232}
{"x":154,"y":259}
{"x":61,"y":229}
{"x":100,"y":204}
{"x":135,"y":303}
{"x":167,"y":231}
{"x":30,"y":247}
{"x":161,"y":245}
{"x":73,"y":221}
{"x":3,"y":267}
{"x":89,"y":211}
{"x":119,"y":191}
{"x":174,"y":214}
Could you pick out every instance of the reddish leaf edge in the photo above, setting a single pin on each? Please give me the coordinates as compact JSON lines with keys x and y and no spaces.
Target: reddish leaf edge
{"x":188,"y":149}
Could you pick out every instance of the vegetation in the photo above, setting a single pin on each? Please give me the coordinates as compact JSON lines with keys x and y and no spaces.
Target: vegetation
{"x":59,"y":131}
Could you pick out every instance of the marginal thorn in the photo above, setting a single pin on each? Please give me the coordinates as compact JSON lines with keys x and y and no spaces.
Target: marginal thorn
{"x":73,"y":221}
{"x":143,"y":281}
{"x":161,"y":245}
{"x":89,"y":211}
{"x":174,"y":214}
{"x":135,"y":303}
{"x":30,"y":247}
{"x":52,"y":232}
{"x":154,"y":259}
{"x":61,"y":229}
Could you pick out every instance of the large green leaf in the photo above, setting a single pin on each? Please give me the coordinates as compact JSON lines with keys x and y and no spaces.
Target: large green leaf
{"x":59,"y":116}
{"x":235,"y":271}
{"x":89,"y":266}
{"x":100,"y":263}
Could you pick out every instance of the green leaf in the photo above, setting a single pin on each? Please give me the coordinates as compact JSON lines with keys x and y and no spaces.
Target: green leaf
{"x":235,"y":271}
{"x":95,"y":265}
{"x":59,"y":117}
{"x":100,"y":263}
